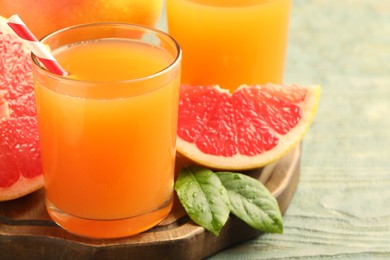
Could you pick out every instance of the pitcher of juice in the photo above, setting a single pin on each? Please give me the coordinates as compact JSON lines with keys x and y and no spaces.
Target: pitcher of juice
{"x":230,"y":42}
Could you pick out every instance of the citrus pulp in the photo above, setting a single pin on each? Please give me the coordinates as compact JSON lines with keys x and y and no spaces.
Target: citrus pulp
{"x":20,"y":161}
{"x":247,"y":129}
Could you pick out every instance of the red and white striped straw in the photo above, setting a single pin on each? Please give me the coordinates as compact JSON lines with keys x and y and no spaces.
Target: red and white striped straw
{"x":43,"y":54}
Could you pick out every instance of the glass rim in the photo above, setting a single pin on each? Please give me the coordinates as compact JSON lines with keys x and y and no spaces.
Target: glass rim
{"x":176,"y":61}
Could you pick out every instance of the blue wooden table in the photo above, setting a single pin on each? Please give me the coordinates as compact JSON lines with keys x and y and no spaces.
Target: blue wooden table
{"x":341,"y":208}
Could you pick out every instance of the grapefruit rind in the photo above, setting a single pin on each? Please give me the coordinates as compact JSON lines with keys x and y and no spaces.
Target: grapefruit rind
{"x":239,"y":162}
{"x":21,"y":188}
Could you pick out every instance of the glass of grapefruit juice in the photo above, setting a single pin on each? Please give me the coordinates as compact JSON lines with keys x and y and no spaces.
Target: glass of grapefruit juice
{"x":230,"y":42}
{"x":108,"y":130}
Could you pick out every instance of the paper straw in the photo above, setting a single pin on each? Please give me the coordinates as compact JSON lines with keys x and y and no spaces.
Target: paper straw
{"x":43,"y":54}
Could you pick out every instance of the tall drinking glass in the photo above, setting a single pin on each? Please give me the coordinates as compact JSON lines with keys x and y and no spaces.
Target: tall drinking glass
{"x":108,"y":130}
{"x":230,"y":42}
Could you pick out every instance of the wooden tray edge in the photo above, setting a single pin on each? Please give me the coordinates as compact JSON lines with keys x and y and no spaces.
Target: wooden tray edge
{"x":157,"y":243}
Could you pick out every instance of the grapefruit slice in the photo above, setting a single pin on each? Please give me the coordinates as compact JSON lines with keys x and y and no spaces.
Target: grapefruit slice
{"x":20,"y":160}
{"x":252,"y":127}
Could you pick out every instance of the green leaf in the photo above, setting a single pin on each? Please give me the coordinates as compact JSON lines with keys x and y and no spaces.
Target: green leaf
{"x":203,"y":197}
{"x":252,"y":202}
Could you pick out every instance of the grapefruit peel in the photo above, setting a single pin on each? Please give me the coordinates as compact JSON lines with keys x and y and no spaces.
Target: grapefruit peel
{"x":21,"y":188}
{"x":239,"y":162}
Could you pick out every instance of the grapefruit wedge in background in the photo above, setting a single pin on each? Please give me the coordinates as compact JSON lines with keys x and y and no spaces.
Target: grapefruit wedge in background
{"x":252,"y":127}
{"x":20,"y":161}
{"x":46,"y":16}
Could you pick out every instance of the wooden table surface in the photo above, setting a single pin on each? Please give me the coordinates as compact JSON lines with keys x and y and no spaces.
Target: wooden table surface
{"x":341,"y":208}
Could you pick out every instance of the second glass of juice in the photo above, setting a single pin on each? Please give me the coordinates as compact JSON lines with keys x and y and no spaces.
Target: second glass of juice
{"x":108,"y":130}
{"x":230,"y":42}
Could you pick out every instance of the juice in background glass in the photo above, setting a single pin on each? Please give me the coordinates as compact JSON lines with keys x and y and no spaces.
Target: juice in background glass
{"x":108,"y":130}
{"x":230,"y":42}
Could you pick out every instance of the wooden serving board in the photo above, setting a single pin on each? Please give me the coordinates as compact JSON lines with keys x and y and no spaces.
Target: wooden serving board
{"x":26,"y":231}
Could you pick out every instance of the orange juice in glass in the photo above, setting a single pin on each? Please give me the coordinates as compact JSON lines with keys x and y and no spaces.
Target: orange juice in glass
{"x":108,"y":130}
{"x":230,"y":42}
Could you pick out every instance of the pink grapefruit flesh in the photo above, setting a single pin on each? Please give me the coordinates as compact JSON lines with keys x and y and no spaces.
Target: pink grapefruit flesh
{"x":20,"y":161}
{"x":247,"y":129}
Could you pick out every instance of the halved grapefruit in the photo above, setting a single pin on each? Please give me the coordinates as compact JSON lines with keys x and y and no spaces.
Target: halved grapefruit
{"x":247,"y":129}
{"x":20,"y":160}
